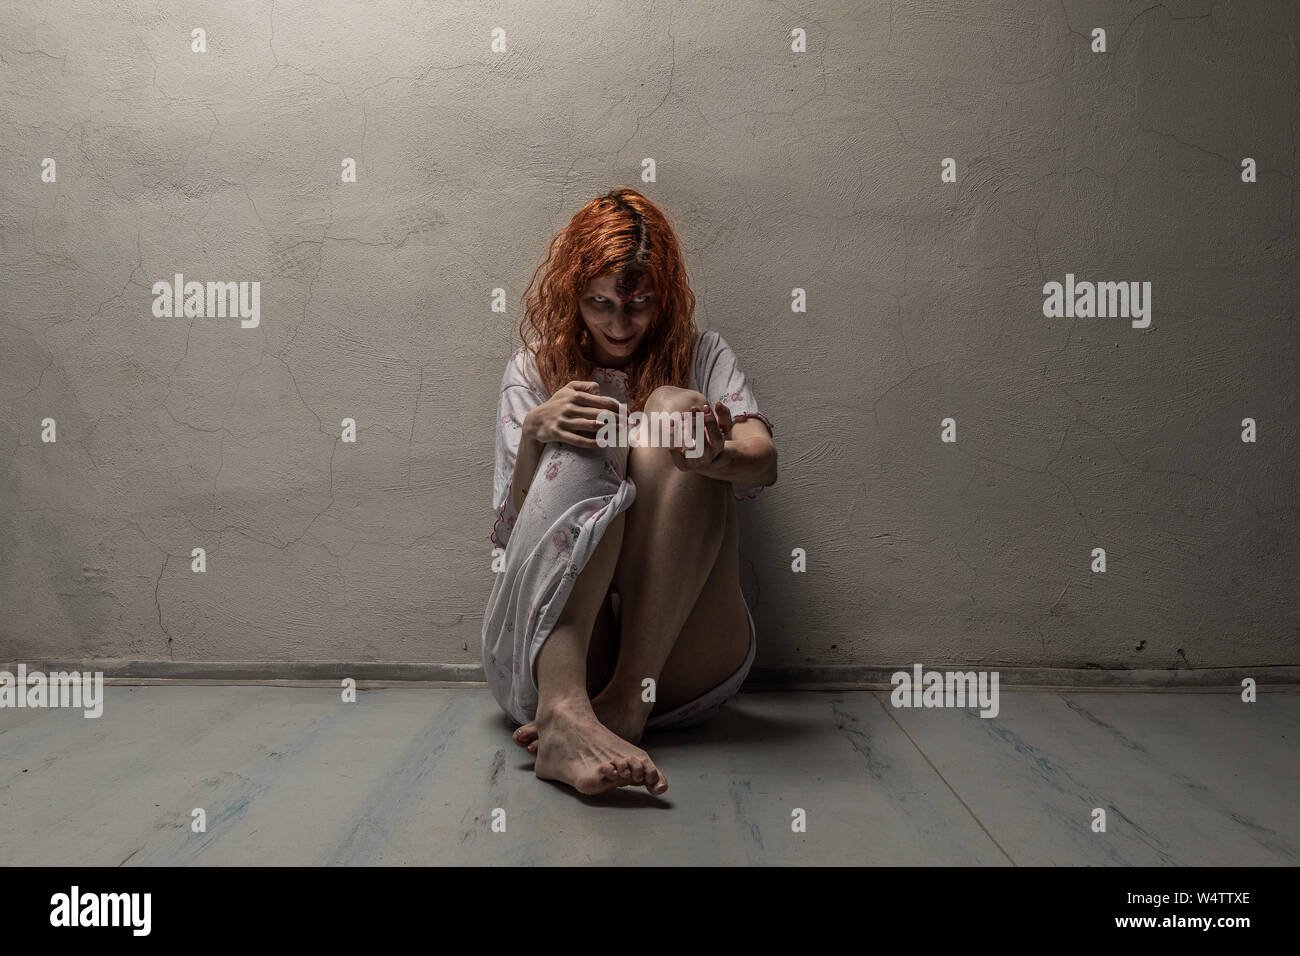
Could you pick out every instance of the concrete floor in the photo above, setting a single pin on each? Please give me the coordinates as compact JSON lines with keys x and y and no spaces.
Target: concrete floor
{"x":290,"y":775}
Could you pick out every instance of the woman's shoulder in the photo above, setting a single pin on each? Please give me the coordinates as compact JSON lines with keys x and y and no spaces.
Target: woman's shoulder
{"x":711,"y":342}
{"x":521,"y":370}
{"x":709,"y":347}
{"x":706,"y":343}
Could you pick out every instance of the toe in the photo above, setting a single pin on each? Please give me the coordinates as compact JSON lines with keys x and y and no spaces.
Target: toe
{"x":638,"y":771}
{"x":525,"y":734}
{"x":660,"y":783}
{"x":532,"y":747}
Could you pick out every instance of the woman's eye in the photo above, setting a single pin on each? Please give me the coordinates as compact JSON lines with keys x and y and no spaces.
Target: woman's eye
{"x":639,"y":302}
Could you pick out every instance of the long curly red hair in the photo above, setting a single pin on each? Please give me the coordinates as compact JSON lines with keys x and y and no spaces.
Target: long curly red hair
{"x":625,"y":234}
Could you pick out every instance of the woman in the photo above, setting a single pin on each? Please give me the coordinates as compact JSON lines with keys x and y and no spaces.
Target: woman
{"x":619,"y":607}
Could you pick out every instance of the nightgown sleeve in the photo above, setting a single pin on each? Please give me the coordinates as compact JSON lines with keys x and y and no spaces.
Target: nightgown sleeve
{"x":721,"y":379}
{"x":520,"y":393}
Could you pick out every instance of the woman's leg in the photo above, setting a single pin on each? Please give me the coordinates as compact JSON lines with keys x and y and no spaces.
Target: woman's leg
{"x":602,"y":652}
{"x":574,"y":747}
{"x":692,"y":666}
{"x":683,"y":623}
{"x":714,"y":641}
{"x":683,"y":620}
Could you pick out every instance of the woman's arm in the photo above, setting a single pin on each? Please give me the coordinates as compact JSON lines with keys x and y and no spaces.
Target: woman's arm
{"x":571,"y":416}
{"x":748,"y":456}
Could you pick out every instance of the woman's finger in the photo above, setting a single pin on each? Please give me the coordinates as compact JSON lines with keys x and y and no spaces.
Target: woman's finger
{"x":709,"y":436}
{"x":686,"y":462}
{"x":725,"y":419}
{"x":679,"y":431}
{"x":714,"y":430}
{"x":596,"y":401}
{"x":694,"y":438}
{"x":579,"y":424}
{"x":678,"y":435}
{"x":573,"y":438}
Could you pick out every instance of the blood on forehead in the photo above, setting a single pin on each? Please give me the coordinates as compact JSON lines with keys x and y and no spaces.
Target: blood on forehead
{"x":628,"y":280}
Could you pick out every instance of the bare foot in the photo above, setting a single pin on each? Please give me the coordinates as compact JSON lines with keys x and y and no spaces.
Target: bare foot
{"x":623,"y":712}
{"x":573,"y":747}
{"x":625,"y":721}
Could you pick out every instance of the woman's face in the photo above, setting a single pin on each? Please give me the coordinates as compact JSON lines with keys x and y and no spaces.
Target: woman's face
{"x":617,"y":325}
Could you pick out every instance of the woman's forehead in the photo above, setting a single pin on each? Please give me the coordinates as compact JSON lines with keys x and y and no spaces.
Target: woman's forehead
{"x":607,"y":286}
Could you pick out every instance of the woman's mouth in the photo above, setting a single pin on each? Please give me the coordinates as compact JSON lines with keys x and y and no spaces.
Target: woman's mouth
{"x":623,"y":341}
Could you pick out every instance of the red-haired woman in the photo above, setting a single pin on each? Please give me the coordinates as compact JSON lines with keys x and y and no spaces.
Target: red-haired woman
{"x":619,"y":607}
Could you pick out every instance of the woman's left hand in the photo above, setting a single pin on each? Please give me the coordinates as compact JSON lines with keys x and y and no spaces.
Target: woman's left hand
{"x":717,"y":425}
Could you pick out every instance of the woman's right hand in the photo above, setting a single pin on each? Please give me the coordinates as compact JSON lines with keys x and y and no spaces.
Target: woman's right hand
{"x":569,"y":416}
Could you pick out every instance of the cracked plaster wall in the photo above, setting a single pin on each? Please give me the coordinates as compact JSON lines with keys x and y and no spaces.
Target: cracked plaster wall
{"x":818,"y":171}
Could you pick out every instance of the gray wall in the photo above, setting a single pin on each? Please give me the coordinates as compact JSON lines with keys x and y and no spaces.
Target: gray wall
{"x":819,"y":171}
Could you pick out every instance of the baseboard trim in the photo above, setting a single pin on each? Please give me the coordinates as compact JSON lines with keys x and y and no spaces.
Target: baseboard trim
{"x":836,"y":677}
{"x":808,"y":677}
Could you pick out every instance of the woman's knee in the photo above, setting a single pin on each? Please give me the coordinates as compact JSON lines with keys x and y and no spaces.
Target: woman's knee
{"x":670,"y":398}
{"x":652,"y":454}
